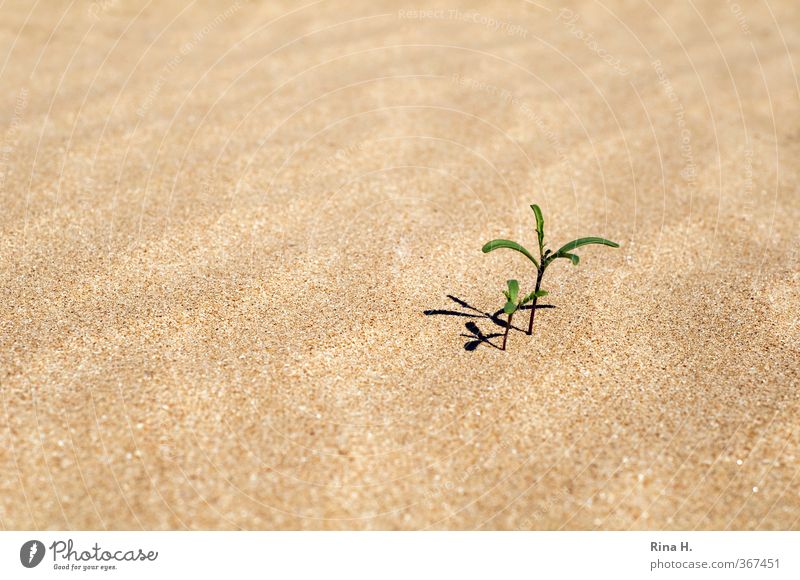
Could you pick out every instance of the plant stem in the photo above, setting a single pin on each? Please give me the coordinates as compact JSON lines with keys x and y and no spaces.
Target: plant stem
{"x":539,"y":274}
{"x":508,"y":327}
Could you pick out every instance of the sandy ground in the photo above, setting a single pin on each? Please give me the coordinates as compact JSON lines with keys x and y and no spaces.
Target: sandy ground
{"x":222,"y":224}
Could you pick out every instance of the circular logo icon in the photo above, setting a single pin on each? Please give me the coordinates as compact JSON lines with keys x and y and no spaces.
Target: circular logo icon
{"x":31,"y":553}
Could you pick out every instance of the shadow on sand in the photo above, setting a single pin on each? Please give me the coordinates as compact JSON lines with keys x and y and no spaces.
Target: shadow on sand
{"x":476,"y":335}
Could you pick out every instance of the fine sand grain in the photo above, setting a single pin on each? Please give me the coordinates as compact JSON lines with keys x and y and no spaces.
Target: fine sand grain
{"x":222,"y":224}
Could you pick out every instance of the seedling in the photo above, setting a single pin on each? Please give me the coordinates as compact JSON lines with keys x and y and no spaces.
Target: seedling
{"x":514,"y":303}
{"x":546,"y":257}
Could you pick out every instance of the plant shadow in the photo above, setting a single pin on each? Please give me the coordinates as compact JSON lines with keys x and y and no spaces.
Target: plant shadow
{"x":476,"y":335}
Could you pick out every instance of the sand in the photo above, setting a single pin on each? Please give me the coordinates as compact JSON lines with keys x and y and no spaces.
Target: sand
{"x":222,"y":225}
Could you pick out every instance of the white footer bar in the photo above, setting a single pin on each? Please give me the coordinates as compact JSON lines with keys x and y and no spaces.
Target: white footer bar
{"x":401,"y":555}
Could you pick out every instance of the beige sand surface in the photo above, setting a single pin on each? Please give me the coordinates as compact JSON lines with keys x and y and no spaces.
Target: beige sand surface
{"x":221,"y":224}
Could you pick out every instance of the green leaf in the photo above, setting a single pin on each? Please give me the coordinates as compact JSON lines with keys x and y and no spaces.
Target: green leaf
{"x":539,"y":224}
{"x":585,"y":242}
{"x":574,"y":257}
{"x":513,"y":290}
{"x":527,"y":299}
{"x":563,"y":251}
{"x":540,"y":293}
{"x":510,"y":308}
{"x":495,"y":244}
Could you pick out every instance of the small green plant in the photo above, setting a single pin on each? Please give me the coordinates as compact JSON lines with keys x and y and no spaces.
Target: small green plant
{"x":514,"y":303}
{"x":546,"y":257}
